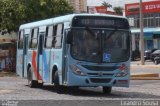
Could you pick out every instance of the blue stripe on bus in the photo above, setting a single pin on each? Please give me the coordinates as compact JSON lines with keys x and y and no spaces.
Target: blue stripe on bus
{"x":46,"y":69}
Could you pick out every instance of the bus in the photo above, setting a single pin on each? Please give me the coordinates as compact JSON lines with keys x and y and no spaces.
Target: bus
{"x":76,"y":50}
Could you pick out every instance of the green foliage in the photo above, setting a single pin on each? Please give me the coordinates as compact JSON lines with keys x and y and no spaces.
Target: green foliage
{"x":118,"y":10}
{"x":107,"y":5}
{"x":16,"y":12}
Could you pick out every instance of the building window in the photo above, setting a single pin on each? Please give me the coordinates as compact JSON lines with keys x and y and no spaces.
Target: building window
{"x":131,"y":22}
{"x":149,"y":44}
{"x":145,"y":23}
{"x":150,"y":20}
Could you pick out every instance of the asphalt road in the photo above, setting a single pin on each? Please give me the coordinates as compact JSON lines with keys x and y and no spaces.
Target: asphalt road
{"x":15,"y":90}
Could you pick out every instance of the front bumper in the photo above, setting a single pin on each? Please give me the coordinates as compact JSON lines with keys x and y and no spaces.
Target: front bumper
{"x":93,"y":81}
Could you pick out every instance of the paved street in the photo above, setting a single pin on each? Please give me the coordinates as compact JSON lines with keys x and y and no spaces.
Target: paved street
{"x":16,"y":89}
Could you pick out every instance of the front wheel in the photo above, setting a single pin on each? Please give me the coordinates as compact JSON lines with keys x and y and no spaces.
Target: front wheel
{"x":59,"y":89}
{"x":156,"y":62}
{"x":107,"y":90}
{"x":31,"y":83}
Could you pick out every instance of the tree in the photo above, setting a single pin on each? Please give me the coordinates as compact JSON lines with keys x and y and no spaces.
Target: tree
{"x":7,"y":14}
{"x":107,"y":5}
{"x":13,"y":13}
{"x":118,"y":10}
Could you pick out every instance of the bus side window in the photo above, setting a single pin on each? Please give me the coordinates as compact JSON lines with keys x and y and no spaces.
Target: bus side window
{"x":58,"y":36}
{"x":48,"y":37}
{"x":34,"y":36}
{"x":30,"y":39}
{"x":54,"y":36}
{"x":45,"y":38}
{"x":20,"y":40}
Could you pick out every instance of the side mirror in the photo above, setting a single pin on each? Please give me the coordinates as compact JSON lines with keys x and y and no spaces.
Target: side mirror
{"x":69,"y":37}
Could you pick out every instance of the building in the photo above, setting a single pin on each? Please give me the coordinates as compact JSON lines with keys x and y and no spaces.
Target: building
{"x":103,"y":10}
{"x":151,"y":19}
{"x":97,"y":9}
{"x":8,"y":51}
{"x":79,"y":5}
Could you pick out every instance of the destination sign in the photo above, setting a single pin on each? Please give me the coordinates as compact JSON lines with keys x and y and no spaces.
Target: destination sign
{"x":100,"y":22}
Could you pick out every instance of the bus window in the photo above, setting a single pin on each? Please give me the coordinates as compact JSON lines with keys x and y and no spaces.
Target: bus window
{"x":20,"y":40}
{"x":33,"y":42}
{"x":30,"y":41}
{"x":58,"y":37}
{"x":48,"y":38}
{"x":54,"y":36}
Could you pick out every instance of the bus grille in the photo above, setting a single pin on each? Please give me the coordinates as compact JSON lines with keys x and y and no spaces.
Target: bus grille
{"x":103,"y":74}
{"x":100,"y":68}
{"x":100,"y":80}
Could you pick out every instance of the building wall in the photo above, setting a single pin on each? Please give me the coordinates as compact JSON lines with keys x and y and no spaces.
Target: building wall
{"x":151,"y":20}
{"x":151,"y":23}
{"x":12,"y":35}
{"x":79,"y":5}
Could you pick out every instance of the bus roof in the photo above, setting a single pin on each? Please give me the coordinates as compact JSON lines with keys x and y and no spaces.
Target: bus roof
{"x":65,"y":18}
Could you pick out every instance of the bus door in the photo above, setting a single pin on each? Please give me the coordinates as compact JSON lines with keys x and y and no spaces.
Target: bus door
{"x":46,"y":55}
{"x":57,"y":53}
{"x":65,"y":61}
{"x":40,"y":52}
{"x":19,"y":64}
{"x":26,"y":37}
{"x":24,"y":56}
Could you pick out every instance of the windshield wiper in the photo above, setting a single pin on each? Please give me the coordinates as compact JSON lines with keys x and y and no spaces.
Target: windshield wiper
{"x":90,"y":31}
{"x":112,"y":33}
{"x":93,"y":34}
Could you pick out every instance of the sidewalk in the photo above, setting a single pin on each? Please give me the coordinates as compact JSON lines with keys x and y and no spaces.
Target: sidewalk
{"x":4,"y":73}
{"x":148,"y":71}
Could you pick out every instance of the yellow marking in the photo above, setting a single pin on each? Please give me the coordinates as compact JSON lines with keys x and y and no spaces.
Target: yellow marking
{"x":145,"y":75}
{"x":40,"y":81}
{"x":5,"y":91}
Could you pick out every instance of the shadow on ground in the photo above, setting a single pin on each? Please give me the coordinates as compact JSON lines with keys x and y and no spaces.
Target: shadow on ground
{"x":97,"y":92}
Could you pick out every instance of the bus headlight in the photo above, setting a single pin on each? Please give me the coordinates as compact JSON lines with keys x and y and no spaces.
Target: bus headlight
{"x":76,"y":70}
{"x":123,"y":71}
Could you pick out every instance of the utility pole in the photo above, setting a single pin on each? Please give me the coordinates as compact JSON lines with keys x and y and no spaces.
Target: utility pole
{"x":141,"y":34}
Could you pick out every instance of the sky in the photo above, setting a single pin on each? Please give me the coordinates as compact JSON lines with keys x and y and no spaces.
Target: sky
{"x":114,"y":3}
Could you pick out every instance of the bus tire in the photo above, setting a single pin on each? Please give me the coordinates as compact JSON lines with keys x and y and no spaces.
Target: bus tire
{"x":58,"y":88}
{"x":155,"y":62}
{"x":31,"y":83}
{"x":107,"y":90}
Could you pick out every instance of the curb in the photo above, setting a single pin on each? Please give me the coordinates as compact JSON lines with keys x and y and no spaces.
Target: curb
{"x":145,"y":66}
{"x":147,"y":76}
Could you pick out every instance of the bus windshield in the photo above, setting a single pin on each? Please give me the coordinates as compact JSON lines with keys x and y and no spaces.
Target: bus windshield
{"x":100,"y":45}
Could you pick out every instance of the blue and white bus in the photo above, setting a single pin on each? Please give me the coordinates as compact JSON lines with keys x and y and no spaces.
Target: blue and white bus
{"x":77,"y":50}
